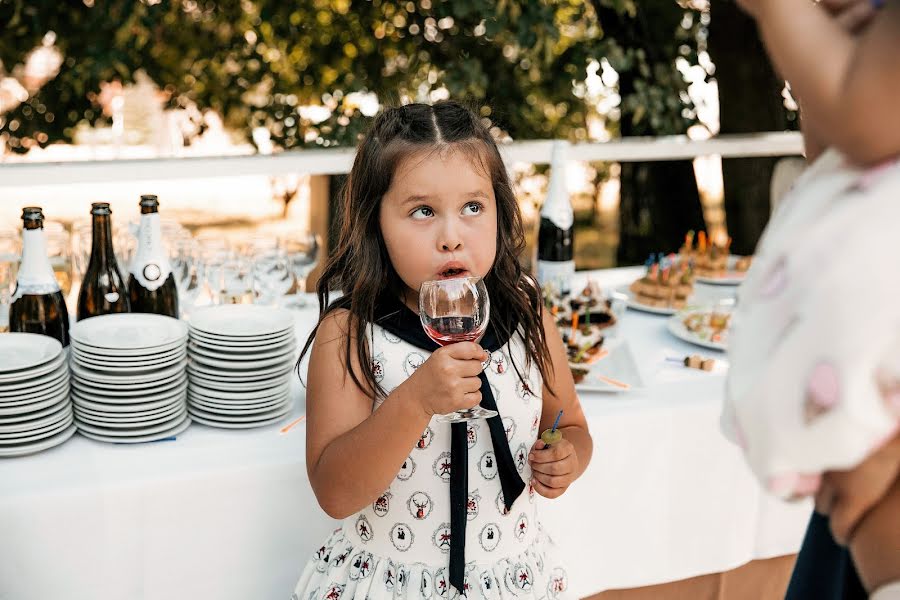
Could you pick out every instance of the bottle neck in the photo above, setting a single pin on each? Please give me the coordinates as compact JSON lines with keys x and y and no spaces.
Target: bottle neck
{"x":557,"y":206}
{"x":101,"y":245}
{"x":35,"y":273}
{"x":150,"y":265}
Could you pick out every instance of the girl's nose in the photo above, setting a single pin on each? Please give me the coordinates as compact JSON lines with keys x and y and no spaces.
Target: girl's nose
{"x":450,"y":240}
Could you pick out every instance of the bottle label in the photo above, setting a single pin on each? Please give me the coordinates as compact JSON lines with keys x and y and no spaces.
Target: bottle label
{"x":556,"y":274}
{"x":150,"y":265}
{"x":35,"y":273}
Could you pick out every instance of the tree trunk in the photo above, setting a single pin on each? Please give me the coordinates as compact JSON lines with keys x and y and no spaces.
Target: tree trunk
{"x":750,"y":101}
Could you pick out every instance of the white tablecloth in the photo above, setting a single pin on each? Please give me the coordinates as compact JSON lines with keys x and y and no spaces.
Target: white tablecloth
{"x":230,"y":514}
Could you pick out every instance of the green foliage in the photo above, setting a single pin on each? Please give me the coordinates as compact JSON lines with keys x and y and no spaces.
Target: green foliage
{"x":516,"y":61}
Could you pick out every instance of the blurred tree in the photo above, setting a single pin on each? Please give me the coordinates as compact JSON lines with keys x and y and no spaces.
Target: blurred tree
{"x":261,"y":63}
{"x":750,"y":97}
{"x":659,"y":200}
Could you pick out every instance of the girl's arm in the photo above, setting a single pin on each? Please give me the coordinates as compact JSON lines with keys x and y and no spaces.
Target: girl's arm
{"x":352,"y":453}
{"x":555,"y":468}
{"x":850,"y":85}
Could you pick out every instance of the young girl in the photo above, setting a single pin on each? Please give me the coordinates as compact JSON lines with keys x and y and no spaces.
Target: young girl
{"x":814,"y":387}
{"x":429,"y":508}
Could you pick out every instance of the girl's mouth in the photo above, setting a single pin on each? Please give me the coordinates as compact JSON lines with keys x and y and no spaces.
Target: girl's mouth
{"x":452,"y":272}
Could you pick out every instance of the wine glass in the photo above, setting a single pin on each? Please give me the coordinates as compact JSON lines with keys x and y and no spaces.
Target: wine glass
{"x":456,"y":310}
{"x":303,"y":255}
{"x":272,"y":276}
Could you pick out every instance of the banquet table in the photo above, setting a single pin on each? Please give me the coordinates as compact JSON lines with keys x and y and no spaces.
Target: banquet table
{"x":231,"y":515}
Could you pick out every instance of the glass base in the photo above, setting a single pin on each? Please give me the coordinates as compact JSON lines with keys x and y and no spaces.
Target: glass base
{"x":470,"y":414}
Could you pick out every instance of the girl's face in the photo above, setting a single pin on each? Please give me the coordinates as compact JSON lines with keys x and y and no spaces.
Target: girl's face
{"x":439,"y":219}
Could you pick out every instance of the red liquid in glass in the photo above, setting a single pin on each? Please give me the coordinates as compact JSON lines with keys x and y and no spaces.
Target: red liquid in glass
{"x":449,"y":330}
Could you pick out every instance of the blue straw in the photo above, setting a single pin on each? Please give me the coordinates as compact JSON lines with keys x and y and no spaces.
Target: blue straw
{"x":555,"y":423}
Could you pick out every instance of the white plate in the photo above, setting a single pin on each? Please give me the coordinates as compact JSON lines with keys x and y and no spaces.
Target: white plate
{"x":22,"y":352}
{"x":60,"y":421}
{"x":19,"y":377}
{"x":731,"y":276}
{"x":239,"y":344}
{"x":38,"y":414}
{"x":128,"y":391}
{"x":127,"y":409}
{"x":26,"y":396}
{"x":635,"y":305}
{"x":133,"y":431}
{"x":31,"y":448}
{"x":256,"y":354}
{"x":278,"y":412}
{"x":242,"y":365}
{"x":128,"y":331}
{"x":83,"y":419}
{"x":218,"y":395}
{"x":107,"y":417}
{"x":242,"y":320}
{"x":618,"y":365}
{"x":162,"y":376}
{"x":134,"y":353}
{"x":34,"y":404}
{"x":238,"y":386}
{"x":237,"y":409}
{"x":676,"y":327}
{"x":131,"y":368}
{"x":47,"y":432}
{"x":232,"y":374}
{"x":115,"y":359}
{"x":57,"y":415}
{"x":155,"y":437}
{"x":111,"y":398}
{"x":36,"y":385}
{"x":11,"y":388}
{"x":213,"y":422}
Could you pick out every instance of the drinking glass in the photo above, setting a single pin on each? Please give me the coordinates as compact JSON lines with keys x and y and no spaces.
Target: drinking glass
{"x":303,"y":255}
{"x":272,"y":275}
{"x":456,"y":310}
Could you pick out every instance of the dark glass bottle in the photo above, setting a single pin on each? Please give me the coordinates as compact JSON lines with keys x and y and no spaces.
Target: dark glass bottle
{"x":38,"y":305}
{"x":556,"y":236}
{"x":103,"y":287}
{"x":151,"y":283}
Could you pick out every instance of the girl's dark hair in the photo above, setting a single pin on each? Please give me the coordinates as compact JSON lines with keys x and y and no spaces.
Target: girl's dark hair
{"x":360,"y":265}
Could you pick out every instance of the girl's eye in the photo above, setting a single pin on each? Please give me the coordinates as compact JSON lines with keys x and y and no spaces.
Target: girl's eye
{"x":475,"y":207}
{"x":423,"y":212}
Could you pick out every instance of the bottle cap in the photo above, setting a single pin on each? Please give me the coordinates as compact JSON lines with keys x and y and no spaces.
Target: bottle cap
{"x":32,"y":213}
{"x":100,"y":208}
{"x":149,"y":200}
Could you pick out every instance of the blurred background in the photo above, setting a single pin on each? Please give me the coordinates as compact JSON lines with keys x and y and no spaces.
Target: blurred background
{"x":127,"y":82}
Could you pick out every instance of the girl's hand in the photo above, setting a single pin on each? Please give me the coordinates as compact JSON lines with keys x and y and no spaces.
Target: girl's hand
{"x":448,"y":380}
{"x":554,"y":467}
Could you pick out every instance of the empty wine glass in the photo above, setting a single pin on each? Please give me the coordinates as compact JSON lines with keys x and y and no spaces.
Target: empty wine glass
{"x":303,"y":255}
{"x":272,"y":275}
{"x":456,"y":310}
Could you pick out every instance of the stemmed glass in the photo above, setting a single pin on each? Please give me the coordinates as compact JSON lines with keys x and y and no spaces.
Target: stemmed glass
{"x":303,"y":255}
{"x":272,"y":275}
{"x":456,"y":310}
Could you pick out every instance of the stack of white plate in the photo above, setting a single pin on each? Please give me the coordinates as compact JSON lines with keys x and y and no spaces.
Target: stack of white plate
{"x":128,"y":377}
{"x":35,"y":410}
{"x":241,"y":358}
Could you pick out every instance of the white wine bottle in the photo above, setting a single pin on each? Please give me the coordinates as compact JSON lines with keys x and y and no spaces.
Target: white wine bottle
{"x":37,"y":303}
{"x":151,"y":283}
{"x":556,"y":236}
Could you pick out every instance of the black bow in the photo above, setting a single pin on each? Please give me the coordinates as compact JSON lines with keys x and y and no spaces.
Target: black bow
{"x":397,"y":318}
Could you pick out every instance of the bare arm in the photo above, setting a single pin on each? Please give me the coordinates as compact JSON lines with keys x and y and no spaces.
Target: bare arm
{"x":557,"y":467}
{"x":352,"y":453}
{"x":850,"y":85}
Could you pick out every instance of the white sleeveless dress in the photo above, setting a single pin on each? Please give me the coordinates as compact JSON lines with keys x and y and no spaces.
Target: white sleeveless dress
{"x":398,"y":547}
